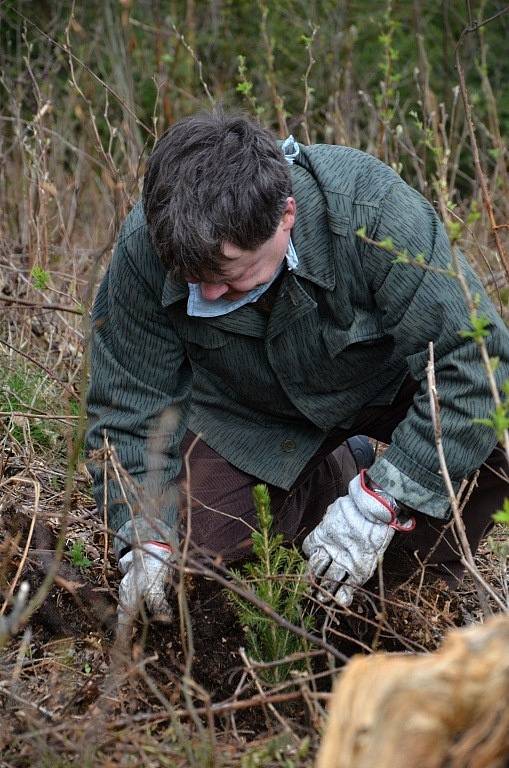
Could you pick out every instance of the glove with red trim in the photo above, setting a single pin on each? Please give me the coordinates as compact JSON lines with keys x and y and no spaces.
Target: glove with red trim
{"x":145,"y":570}
{"x":344,"y":549}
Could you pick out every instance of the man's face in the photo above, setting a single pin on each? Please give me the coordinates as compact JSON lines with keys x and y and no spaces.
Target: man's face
{"x":245,"y":270}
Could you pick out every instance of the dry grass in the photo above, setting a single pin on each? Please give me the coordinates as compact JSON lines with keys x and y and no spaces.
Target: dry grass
{"x":63,"y":704}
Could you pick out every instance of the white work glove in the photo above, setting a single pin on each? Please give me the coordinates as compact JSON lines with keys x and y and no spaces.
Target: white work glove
{"x":145,"y":572}
{"x":345,"y":547}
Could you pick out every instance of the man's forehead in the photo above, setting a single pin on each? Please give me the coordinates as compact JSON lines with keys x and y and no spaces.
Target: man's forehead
{"x":233,"y":253}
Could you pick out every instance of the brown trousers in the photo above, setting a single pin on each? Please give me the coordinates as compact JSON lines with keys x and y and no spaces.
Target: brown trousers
{"x":223,"y":516}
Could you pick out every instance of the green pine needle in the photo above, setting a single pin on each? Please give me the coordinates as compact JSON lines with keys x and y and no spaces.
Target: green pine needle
{"x":276,"y":576}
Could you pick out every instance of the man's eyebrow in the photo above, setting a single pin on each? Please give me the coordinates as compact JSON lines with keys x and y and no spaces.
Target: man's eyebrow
{"x":219,"y":280}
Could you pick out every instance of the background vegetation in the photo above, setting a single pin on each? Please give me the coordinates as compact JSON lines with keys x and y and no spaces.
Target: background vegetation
{"x":376,"y":75}
{"x":85,"y":89}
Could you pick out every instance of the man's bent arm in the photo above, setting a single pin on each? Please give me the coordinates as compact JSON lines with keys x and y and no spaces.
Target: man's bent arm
{"x":418,"y":306}
{"x":139,"y":395}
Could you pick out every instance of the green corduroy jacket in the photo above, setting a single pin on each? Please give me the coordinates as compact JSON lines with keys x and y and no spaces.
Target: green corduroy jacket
{"x":348,"y":325}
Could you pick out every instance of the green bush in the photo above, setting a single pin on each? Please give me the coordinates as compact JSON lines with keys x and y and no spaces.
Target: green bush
{"x":23,"y":390}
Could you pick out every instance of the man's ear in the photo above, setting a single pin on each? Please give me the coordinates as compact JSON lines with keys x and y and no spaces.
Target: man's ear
{"x":289,"y":213}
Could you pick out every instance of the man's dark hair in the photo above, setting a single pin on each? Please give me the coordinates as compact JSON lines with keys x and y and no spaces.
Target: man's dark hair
{"x":212,"y":178}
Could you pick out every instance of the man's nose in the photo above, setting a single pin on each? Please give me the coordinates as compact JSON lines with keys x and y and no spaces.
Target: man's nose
{"x":213,"y":291}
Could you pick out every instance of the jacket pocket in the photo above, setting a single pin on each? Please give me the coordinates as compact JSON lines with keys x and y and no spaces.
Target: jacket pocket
{"x":202,"y":335}
{"x":366,"y":330}
{"x":340,"y":224}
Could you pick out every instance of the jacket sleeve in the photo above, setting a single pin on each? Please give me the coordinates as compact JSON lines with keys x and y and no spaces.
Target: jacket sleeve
{"x":418,"y":306}
{"x":139,"y":396}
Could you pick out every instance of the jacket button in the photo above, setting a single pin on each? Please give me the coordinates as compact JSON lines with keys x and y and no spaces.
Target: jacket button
{"x":288,"y":445}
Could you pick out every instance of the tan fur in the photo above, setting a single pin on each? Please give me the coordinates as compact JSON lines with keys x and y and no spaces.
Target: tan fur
{"x":448,"y":709}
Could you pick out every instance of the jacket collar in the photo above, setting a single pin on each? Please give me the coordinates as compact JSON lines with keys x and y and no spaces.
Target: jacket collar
{"x":173,"y":291}
{"x":311,"y":234}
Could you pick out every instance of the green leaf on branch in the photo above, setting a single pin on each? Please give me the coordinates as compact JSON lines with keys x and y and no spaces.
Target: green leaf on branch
{"x":454,"y":230}
{"x":387,"y":244}
{"x":498,"y":420}
{"x":40,"y":278}
{"x":244,"y":88}
{"x":401,"y":258}
{"x":479,"y":325}
{"x":417,"y":121}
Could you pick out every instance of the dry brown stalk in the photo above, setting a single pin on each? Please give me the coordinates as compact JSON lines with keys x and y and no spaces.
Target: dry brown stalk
{"x":186,"y":630}
{"x":35,"y":305}
{"x":188,"y":46}
{"x":221,"y":708}
{"x":488,"y":204}
{"x":19,"y":571}
{"x":270,"y":75}
{"x":5,"y":691}
{"x":29,"y":415}
{"x":307,"y":89}
{"x":222,"y":513}
{"x":105,"y":508}
{"x":495,"y":279}
{"x":251,"y":672}
{"x":81,"y":63}
{"x":485,"y":357}
{"x":467,"y":557}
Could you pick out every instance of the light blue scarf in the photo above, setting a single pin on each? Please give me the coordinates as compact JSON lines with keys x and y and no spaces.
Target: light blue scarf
{"x":197,"y":306}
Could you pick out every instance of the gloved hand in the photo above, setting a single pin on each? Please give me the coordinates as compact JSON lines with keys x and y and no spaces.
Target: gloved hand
{"x":345,"y":547}
{"x":145,"y":573}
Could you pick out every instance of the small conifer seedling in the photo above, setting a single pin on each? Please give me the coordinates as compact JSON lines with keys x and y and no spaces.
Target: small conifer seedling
{"x":276,"y":576}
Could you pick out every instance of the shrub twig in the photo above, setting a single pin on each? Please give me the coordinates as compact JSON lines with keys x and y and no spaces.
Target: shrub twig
{"x":467,"y":558}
